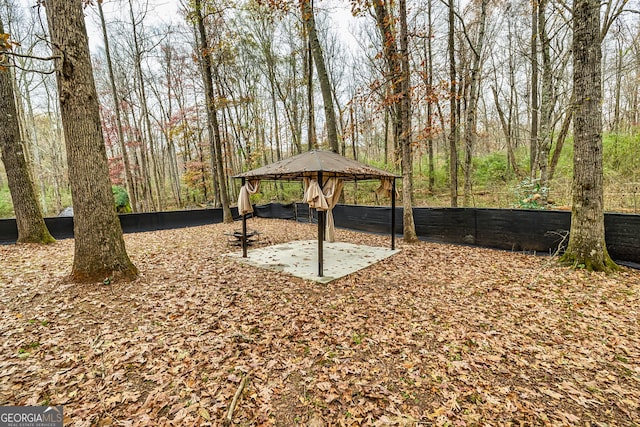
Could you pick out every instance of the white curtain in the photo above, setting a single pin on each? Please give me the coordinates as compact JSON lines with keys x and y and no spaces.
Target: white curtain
{"x":244,"y":202}
{"x":324,"y":199}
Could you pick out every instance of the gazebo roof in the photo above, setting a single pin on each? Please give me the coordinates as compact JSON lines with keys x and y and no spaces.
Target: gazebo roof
{"x":308,"y":164}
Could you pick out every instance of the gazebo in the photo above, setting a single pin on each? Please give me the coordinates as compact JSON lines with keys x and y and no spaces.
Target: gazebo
{"x":323,"y":173}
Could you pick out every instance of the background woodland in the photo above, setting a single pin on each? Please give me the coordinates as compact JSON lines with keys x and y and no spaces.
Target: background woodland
{"x":497,"y":72}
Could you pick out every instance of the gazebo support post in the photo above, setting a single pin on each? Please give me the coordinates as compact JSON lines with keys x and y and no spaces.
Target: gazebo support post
{"x":244,"y":229}
{"x":320,"y":232}
{"x":393,"y":214}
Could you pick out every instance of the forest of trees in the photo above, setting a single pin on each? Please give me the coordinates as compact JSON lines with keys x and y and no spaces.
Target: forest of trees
{"x":472,"y":69}
{"x":463,"y":98}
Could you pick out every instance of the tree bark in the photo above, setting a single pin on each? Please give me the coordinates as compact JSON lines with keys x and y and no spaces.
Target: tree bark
{"x":453,"y":106}
{"x":29,"y":220}
{"x":472,"y":106}
{"x":533,"y":144}
{"x":99,"y":245}
{"x":212,"y":116}
{"x":312,"y":138}
{"x":398,"y":73}
{"x":430,"y":96}
{"x":323,"y":75}
{"x":546,"y":101}
{"x":587,"y":247}
{"x":408,"y":224}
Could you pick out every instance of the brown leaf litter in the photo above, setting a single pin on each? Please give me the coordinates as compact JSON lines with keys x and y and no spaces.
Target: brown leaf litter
{"x":437,"y":335}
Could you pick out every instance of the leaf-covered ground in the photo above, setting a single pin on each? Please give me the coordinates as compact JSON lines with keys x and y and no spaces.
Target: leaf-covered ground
{"x":435,"y":335}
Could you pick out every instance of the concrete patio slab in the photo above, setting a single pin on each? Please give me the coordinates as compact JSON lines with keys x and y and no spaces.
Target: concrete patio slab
{"x":300,"y":258}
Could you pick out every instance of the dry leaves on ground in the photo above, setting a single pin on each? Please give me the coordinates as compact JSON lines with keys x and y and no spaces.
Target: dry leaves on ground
{"x":436,"y":335}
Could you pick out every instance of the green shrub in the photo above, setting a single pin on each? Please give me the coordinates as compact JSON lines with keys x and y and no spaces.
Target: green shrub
{"x":121,"y":199}
{"x":490,"y":169}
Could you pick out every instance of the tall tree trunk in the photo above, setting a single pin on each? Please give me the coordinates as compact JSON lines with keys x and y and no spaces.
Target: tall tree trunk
{"x":547,"y":99}
{"x":312,"y":138}
{"x":29,"y":220}
{"x":99,"y":245}
{"x":212,"y":116}
{"x":388,"y":33}
{"x":472,"y":106}
{"x":453,"y":106}
{"x":533,"y":144}
{"x":398,"y":73}
{"x":35,"y":148}
{"x":513,"y":112}
{"x":587,"y":247}
{"x":174,"y":176}
{"x":615,"y":126}
{"x":154,"y":182}
{"x":116,"y":108}
{"x":323,"y":75}
{"x":408,"y":224}
{"x":430,"y":97}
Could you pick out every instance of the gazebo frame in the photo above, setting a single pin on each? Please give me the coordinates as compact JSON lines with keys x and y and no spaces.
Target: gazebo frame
{"x":319,"y":165}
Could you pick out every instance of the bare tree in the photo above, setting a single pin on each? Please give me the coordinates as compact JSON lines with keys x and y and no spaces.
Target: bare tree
{"x":396,"y":55}
{"x":472,"y":102}
{"x":212,"y":114}
{"x":116,"y":108}
{"x":323,"y":76}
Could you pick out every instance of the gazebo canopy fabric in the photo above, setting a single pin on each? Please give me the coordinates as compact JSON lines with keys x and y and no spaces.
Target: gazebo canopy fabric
{"x":308,"y":164}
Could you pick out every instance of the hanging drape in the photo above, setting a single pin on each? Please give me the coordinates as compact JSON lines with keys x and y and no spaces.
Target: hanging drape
{"x":324,"y":199}
{"x":386,"y":187}
{"x":244,"y":202}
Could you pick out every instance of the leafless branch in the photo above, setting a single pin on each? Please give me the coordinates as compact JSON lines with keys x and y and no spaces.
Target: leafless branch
{"x":39,"y":58}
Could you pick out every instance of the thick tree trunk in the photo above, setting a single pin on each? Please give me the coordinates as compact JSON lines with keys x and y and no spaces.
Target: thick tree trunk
{"x":99,"y":245}
{"x":323,"y":75}
{"x":587,"y":247}
{"x":31,"y":225}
